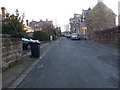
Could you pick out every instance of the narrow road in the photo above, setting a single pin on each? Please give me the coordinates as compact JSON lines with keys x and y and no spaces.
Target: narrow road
{"x":75,"y":64}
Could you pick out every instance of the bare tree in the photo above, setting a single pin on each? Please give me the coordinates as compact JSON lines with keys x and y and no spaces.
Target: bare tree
{"x":66,"y":26}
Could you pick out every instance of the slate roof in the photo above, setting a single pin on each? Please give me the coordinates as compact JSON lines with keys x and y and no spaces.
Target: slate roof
{"x":101,"y":6}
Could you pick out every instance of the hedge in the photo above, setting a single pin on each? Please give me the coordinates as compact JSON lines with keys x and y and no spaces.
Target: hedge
{"x":40,"y":35}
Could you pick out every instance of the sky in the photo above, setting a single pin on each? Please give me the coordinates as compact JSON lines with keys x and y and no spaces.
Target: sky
{"x":59,"y":11}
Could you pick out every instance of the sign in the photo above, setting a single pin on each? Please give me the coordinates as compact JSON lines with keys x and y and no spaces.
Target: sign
{"x":84,"y":27}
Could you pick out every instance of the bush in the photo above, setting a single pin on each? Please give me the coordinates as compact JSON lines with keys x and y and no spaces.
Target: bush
{"x":40,"y":35}
{"x":13,"y":26}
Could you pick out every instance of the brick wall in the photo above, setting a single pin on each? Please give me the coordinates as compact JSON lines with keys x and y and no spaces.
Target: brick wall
{"x":11,"y":50}
{"x":111,"y":35}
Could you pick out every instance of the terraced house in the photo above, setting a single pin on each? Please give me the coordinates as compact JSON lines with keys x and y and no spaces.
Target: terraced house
{"x":78,"y":22}
{"x":74,"y":23}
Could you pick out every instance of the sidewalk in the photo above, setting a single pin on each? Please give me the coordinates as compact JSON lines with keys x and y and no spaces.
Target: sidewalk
{"x":9,"y":75}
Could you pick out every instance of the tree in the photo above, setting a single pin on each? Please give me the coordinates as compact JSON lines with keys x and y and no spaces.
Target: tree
{"x":13,"y":26}
{"x":58,"y":31}
{"x":48,"y":27}
{"x":66,"y":26}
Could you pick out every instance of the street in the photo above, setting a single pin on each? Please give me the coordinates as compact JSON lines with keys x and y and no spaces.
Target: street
{"x":74,"y":64}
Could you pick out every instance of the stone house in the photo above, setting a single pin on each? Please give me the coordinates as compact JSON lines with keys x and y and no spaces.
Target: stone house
{"x":36,"y":25}
{"x":78,"y":21}
{"x":41,"y":25}
{"x":83,"y":22}
{"x":100,"y":18}
{"x":74,"y":24}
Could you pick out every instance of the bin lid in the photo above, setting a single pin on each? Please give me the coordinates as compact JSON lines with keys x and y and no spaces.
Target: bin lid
{"x":34,"y":42}
{"x":24,"y":40}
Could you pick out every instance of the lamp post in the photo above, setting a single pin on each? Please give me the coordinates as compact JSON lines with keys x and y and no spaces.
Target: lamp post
{"x":86,"y":33}
{"x":85,"y":28}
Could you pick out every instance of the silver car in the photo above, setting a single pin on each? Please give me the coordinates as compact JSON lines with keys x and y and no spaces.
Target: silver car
{"x":75,"y":36}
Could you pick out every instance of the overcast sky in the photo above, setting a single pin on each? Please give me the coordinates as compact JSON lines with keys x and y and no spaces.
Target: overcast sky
{"x":57,"y":10}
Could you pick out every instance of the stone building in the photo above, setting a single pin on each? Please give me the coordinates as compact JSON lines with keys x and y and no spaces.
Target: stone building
{"x":74,"y":24}
{"x":46,"y":26}
{"x":36,"y":25}
{"x":40,"y":25}
{"x":78,"y":21}
{"x":100,"y":18}
{"x":82,"y":16}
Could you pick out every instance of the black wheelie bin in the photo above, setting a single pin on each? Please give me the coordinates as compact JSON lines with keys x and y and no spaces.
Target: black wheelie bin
{"x":35,"y":49}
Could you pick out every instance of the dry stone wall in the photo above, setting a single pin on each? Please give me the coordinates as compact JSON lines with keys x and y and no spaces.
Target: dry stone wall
{"x":11,"y":50}
{"x":111,"y":35}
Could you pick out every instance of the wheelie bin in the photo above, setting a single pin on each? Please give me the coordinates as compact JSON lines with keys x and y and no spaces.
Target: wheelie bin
{"x":35,"y":49}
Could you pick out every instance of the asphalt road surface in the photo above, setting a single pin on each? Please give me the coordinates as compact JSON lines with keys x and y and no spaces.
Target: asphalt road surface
{"x":75,"y":64}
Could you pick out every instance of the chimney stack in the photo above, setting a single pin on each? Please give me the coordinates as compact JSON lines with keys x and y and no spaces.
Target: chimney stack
{"x":3,"y":12}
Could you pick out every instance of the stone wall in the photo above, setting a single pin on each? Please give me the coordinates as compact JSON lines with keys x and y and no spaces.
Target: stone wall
{"x":111,"y":35}
{"x":11,"y":50}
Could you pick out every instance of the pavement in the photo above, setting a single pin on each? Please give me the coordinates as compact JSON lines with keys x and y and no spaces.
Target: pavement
{"x":74,"y":64}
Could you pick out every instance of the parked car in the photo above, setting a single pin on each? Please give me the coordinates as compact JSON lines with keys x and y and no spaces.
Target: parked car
{"x":69,"y":35}
{"x":65,"y":35}
{"x":26,"y":43}
{"x":75,"y":36}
